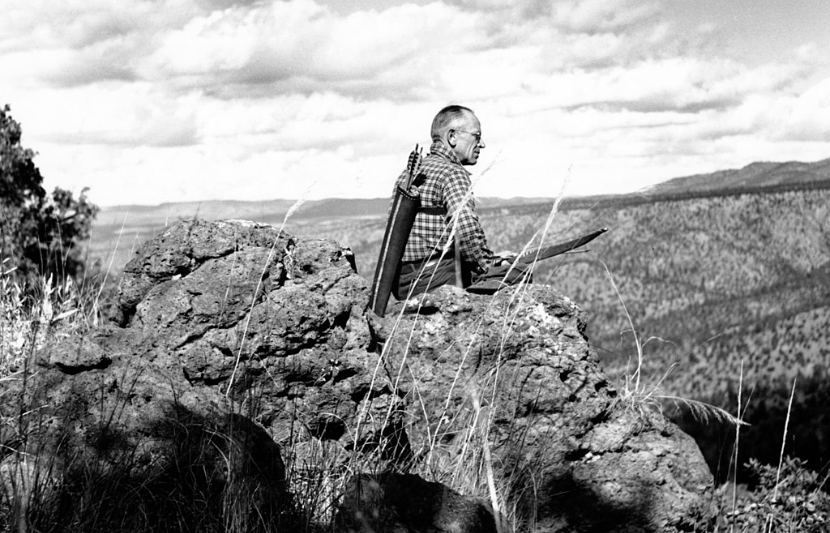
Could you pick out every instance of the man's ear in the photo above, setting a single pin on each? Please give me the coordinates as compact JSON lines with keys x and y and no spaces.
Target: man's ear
{"x":451,"y":138}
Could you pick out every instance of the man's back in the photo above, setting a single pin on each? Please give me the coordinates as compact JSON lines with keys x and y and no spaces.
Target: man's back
{"x":444,"y":187}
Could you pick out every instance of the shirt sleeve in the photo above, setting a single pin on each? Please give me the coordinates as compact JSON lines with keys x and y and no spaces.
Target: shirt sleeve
{"x":461,"y":204}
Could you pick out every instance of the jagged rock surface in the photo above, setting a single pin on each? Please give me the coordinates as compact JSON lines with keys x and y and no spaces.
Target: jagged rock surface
{"x":232,"y":321}
{"x":112,"y":442}
{"x":518,"y":368}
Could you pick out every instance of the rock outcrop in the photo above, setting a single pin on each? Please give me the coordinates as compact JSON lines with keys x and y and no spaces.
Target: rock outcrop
{"x":513,"y":376}
{"x":257,"y":348}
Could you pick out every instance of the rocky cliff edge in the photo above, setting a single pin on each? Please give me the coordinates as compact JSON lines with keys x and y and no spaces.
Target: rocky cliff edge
{"x":254,"y":352}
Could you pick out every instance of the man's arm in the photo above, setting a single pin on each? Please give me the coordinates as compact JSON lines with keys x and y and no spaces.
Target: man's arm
{"x":461,"y":205}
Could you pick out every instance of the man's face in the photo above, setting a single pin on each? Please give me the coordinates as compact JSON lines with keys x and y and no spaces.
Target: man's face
{"x":468,"y":143}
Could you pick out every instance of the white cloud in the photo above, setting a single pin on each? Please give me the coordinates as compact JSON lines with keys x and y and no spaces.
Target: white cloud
{"x":806,"y":116}
{"x":603,"y":15}
{"x":299,"y":45}
{"x":207,"y":99}
{"x":116,"y":113}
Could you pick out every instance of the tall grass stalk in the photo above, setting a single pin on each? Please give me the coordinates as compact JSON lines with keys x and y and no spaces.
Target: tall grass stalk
{"x":50,"y":315}
{"x":29,"y":312}
{"x":434,"y":427}
{"x":320,"y":475}
{"x":289,"y":253}
{"x":768,"y":525}
{"x":103,"y":282}
{"x":488,"y":464}
{"x":450,"y":241}
{"x":640,"y":396}
{"x":735,"y":449}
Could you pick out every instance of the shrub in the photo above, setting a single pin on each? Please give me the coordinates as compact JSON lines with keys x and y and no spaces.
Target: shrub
{"x":789,"y":498}
{"x":39,"y":232}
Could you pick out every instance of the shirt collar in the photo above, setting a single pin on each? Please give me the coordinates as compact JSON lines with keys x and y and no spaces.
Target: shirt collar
{"x":438,"y":148}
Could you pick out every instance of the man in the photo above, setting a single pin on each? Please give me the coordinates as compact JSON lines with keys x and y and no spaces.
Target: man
{"x":447,"y":205}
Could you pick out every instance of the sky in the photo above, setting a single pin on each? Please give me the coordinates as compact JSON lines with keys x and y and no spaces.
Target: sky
{"x":154,"y":101}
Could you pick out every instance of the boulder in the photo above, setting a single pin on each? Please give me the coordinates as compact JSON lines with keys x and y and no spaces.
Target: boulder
{"x":508,"y":387}
{"x":114,"y":443}
{"x":238,"y":343}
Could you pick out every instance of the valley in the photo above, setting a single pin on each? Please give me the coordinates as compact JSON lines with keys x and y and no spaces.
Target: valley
{"x":728,"y":289}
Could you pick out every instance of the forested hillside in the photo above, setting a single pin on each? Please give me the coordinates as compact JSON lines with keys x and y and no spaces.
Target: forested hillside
{"x":730,"y":292}
{"x":730,"y":289}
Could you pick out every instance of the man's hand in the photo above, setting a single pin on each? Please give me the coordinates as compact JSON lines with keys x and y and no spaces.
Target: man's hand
{"x":503,"y":257}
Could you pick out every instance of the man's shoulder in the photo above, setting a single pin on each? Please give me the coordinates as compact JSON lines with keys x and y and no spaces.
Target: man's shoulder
{"x":436,"y":163}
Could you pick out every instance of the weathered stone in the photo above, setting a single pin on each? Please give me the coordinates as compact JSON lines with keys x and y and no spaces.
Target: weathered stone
{"x":132,"y":433}
{"x":554,"y":426}
{"x":78,"y":354}
{"x":231,"y":329}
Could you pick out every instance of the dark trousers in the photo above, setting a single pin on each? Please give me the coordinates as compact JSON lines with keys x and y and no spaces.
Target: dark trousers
{"x":417,"y":277}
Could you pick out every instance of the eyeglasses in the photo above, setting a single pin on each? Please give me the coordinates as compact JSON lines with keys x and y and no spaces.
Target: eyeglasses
{"x":476,"y":136}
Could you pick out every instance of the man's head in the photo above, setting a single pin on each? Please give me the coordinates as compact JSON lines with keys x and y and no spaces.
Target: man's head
{"x":458,"y":129}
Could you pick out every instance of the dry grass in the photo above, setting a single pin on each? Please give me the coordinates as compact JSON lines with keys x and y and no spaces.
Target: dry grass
{"x":788,"y":498}
{"x":639,"y":395}
{"x":317,"y":471}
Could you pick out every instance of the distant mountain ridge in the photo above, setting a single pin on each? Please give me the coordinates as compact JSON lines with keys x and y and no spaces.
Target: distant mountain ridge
{"x":755,"y":176}
{"x":268,"y":211}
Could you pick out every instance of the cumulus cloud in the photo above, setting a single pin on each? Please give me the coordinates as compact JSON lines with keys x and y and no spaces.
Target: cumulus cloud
{"x":806,"y":116}
{"x":260,"y":98}
{"x":302,"y":46}
{"x":116,"y":113}
{"x":591,"y":16}
{"x":587,"y":16}
{"x":83,"y":42}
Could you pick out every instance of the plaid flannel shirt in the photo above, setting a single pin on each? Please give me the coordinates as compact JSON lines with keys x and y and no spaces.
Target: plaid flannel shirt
{"x":443,"y":182}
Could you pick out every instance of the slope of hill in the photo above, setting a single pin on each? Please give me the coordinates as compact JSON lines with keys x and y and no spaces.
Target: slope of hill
{"x":733,"y":292}
{"x":787,"y":175}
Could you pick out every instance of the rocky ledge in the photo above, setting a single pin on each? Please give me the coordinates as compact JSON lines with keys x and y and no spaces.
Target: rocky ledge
{"x":253,"y":354}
